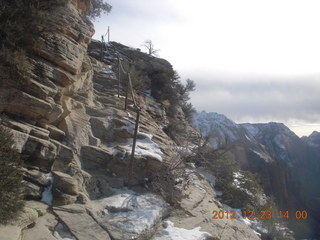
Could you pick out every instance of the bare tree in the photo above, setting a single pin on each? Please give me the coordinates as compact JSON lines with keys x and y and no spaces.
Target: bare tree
{"x":150,"y":47}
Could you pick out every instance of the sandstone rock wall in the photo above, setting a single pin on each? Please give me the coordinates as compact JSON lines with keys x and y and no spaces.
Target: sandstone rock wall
{"x":75,"y":137}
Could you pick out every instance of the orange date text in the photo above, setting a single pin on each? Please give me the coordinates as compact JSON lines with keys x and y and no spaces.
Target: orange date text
{"x":260,"y":215}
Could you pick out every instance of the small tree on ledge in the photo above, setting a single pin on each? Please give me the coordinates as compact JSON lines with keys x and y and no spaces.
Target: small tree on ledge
{"x":150,"y":47}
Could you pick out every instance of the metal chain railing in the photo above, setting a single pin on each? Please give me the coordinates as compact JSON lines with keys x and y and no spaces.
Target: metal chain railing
{"x":137,"y":108}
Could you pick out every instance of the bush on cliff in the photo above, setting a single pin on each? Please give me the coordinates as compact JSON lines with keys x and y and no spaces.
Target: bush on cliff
{"x":98,"y":7}
{"x":11,"y":178}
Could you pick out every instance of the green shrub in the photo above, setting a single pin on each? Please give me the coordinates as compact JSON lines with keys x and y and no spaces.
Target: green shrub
{"x":39,"y":212}
{"x":174,"y":129}
{"x":243,"y":191}
{"x":11,"y":178}
{"x":245,"y":194}
{"x":188,"y":111}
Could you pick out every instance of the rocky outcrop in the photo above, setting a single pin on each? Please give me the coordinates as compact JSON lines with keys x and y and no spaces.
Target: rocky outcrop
{"x":75,"y":137}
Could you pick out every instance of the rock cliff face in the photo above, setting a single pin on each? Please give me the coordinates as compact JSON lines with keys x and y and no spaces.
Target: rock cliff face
{"x":54,"y":65}
{"x":75,"y":137}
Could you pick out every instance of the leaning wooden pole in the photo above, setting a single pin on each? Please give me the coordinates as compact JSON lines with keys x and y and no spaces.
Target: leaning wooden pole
{"x":130,"y":168}
{"x":127,"y":92}
{"x":119,"y":75}
{"x":108,"y":33}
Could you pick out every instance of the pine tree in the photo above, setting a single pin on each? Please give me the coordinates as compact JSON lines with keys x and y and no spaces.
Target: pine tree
{"x":11,"y":178}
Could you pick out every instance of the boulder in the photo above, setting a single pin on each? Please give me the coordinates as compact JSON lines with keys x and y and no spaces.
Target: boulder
{"x":60,"y":198}
{"x":65,"y":183}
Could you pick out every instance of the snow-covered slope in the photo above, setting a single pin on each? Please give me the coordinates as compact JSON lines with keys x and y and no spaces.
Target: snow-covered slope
{"x":217,"y":127}
{"x":268,"y":141}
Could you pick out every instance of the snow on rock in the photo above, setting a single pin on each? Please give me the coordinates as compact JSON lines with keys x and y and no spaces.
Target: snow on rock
{"x":120,"y":96}
{"x":251,"y":129}
{"x":174,"y":233}
{"x":47,"y":193}
{"x":206,"y":122}
{"x":145,"y":147}
{"x":128,"y":215}
{"x":220,"y":129}
{"x":262,"y":155}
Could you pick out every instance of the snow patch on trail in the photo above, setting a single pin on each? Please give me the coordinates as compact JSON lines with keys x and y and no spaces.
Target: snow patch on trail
{"x":174,"y":233}
{"x":132,"y":213}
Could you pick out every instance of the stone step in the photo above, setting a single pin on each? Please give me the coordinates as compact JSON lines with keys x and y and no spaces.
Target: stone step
{"x":80,"y":224}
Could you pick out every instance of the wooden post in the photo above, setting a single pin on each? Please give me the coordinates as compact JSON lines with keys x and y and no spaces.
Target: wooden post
{"x":131,"y":88}
{"x":130,"y":168}
{"x":108,"y":33}
{"x":102,"y":48}
{"x":119,"y":75}
{"x":127,"y":91}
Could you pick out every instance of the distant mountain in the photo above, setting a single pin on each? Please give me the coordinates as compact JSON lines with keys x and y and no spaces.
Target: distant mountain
{"x":288,"y":166}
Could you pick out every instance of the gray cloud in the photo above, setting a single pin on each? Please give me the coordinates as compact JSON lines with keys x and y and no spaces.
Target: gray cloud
{"x":257,"y":99}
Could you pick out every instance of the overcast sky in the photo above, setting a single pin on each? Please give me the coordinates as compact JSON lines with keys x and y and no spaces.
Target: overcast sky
{"x":252,"y":60}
